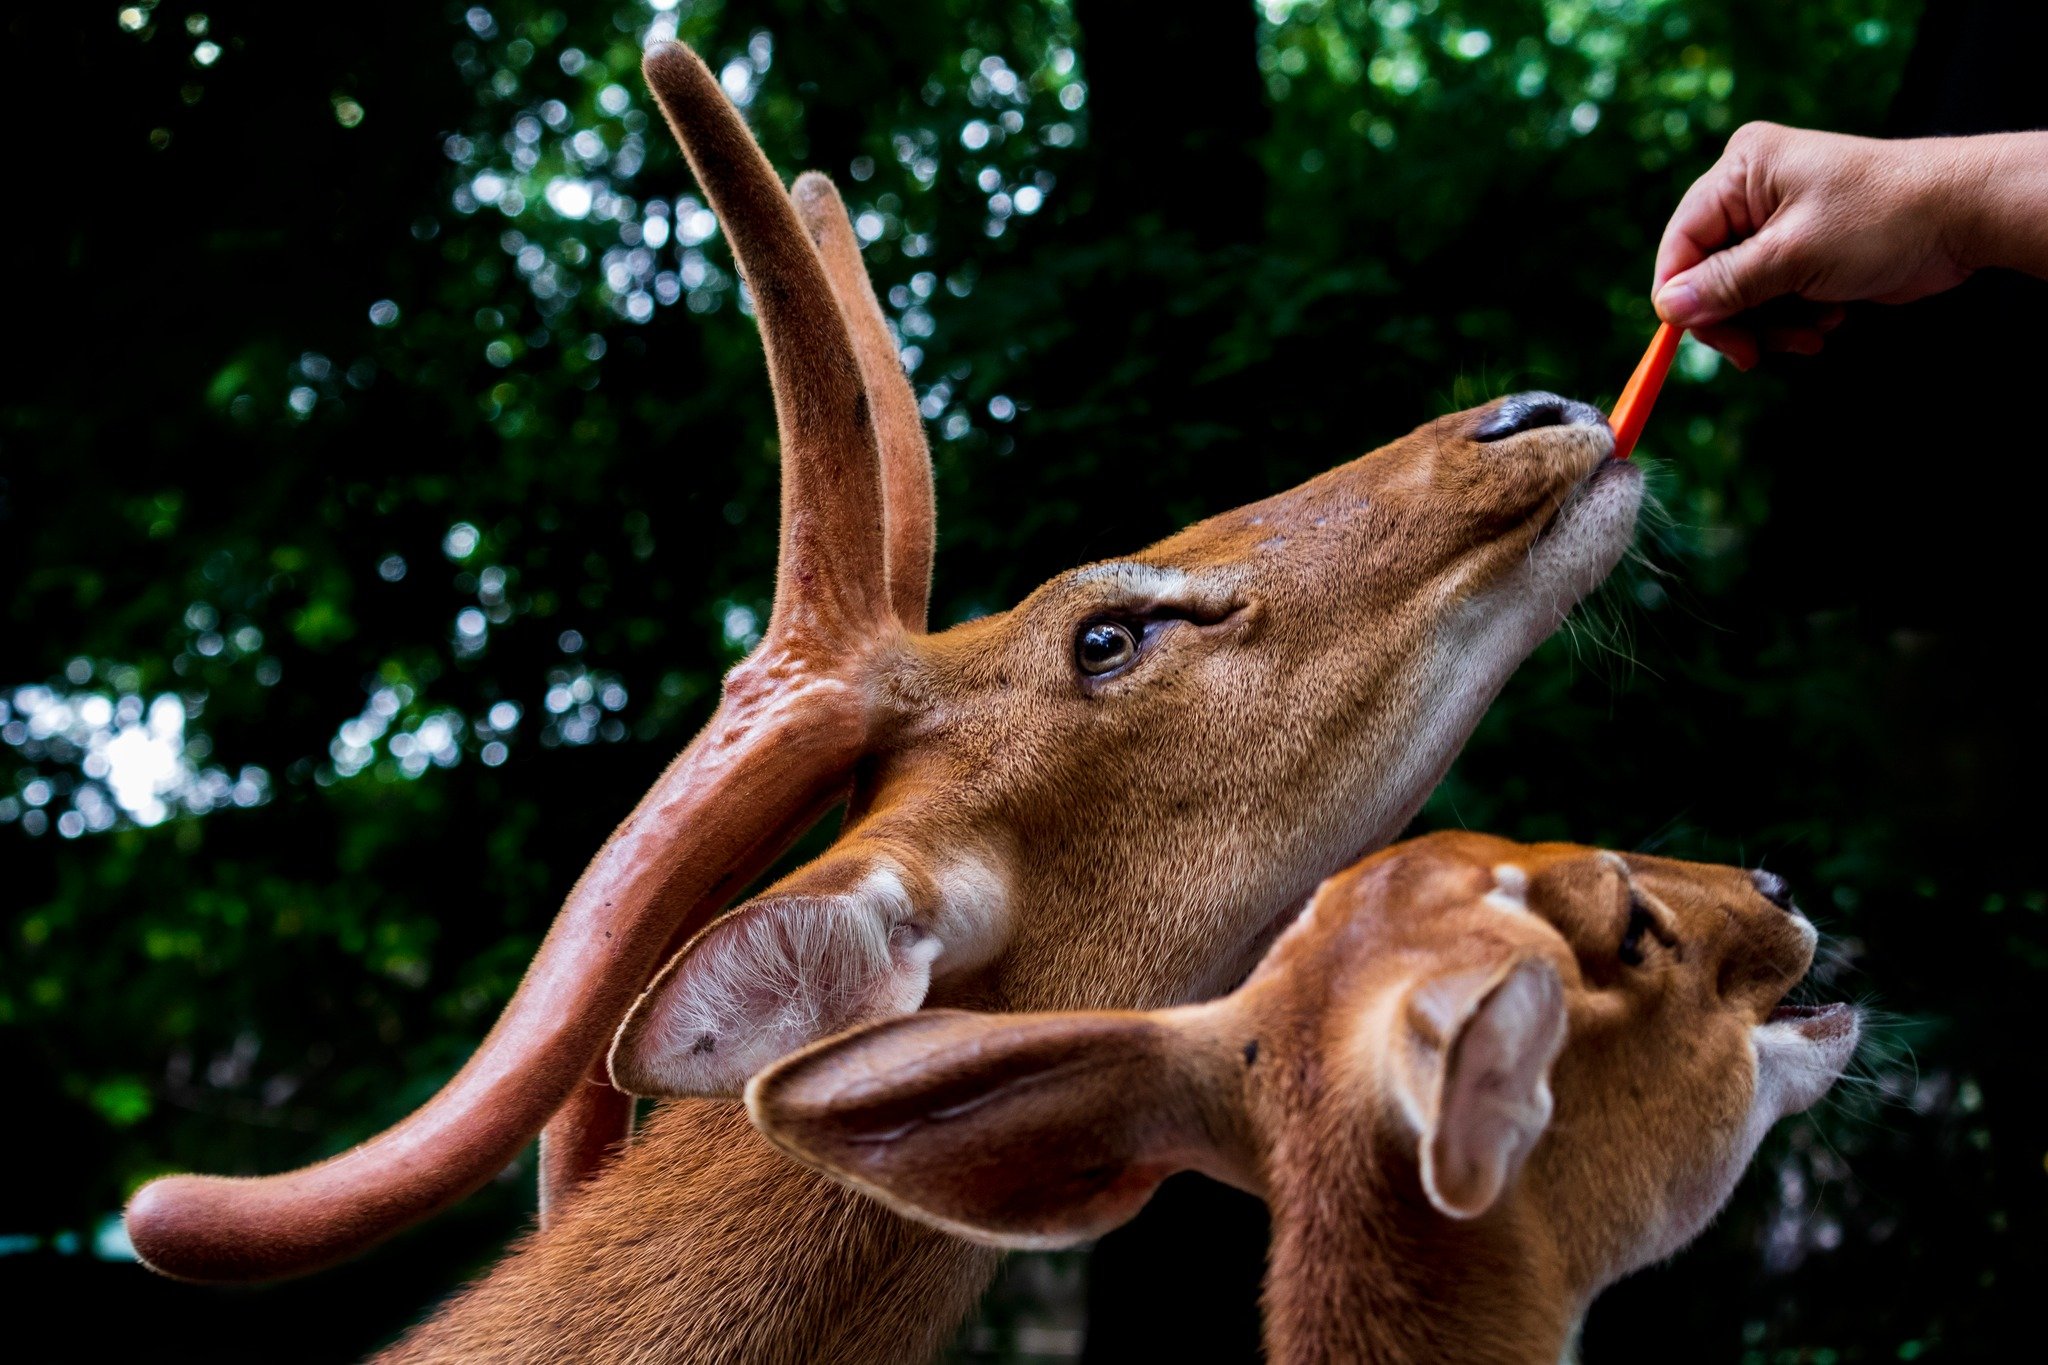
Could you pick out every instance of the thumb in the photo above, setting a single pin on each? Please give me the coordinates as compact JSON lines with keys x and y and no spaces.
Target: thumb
{"x":1745,"y":276}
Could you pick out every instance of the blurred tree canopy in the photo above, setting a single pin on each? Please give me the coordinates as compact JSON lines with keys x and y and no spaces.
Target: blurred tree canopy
{"x":387,"y":475}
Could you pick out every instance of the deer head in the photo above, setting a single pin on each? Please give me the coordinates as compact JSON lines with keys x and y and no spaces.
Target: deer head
{"x":1109,"y":794}
{"x":1477,"y":1082}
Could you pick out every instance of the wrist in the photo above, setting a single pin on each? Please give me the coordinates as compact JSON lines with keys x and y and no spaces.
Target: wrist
{"x":1999,"y":212}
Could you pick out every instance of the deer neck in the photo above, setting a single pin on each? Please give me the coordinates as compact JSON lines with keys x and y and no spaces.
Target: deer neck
{"x":703,"y":1242}
{"x":1364,"y":1275}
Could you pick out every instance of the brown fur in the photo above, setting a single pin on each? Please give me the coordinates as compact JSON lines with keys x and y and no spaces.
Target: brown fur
{"x":1131,"y":880}
{"x":1322,"y":1080}
{"x":1312,"y":664}
{"x":704,"y":1244}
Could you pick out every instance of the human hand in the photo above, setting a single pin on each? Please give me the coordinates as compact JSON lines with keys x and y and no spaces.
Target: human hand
{"x":1821,"y":216}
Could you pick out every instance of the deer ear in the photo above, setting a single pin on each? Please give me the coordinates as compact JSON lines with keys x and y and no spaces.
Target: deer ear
{"x":1015,"y":1130}
{"x":1475,"y":1078}
{"x":761,"y":982}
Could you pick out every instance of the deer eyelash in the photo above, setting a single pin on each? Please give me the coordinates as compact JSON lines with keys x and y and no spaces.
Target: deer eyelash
{"x":1640,"y":922}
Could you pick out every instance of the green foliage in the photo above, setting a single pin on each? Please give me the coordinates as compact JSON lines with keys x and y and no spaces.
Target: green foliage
{"x":401,"y":422}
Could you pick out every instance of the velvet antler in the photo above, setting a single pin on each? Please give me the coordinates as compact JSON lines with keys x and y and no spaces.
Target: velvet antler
{"x":899,"y":430}
{"x":794,"y":719}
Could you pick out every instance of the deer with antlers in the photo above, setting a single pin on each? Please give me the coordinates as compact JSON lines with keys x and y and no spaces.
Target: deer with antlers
{"x":1476,"y":1082}
{"x":1114,"y":794}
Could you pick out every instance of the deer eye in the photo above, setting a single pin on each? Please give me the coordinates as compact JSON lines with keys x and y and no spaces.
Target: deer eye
{"x":1631,"y":950}
{"x":1641,"y":923}
{"x":1103,"y":647}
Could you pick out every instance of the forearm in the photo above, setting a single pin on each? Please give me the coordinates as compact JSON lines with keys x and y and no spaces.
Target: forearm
{"x":2004,"y":219}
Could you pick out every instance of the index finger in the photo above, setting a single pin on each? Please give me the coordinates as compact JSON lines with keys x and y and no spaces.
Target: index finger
{"x":1709,"y":215}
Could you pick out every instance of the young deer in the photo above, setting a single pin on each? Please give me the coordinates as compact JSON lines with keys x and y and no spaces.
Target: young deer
{"x":1110,"y":795}
{"x":1476,"y":1082}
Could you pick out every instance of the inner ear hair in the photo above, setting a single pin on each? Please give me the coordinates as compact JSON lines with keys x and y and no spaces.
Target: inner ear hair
{"x":1479,"y":1049}
{"x":770,"y":977}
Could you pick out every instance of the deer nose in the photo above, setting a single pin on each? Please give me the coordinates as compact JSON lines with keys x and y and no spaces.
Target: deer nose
{"x":1773,"y":888}
{"x":1528,"y":411}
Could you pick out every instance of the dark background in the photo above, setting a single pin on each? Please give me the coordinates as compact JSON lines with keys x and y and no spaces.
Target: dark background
{"x":290,"y":389}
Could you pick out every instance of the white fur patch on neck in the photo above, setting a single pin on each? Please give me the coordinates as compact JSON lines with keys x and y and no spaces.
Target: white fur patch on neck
{"x":972,"y":918}
{"x":883,"y":890}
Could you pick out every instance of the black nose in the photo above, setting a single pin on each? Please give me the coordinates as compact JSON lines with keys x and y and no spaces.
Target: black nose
{"x":1773,"y":888}
{"x":1528,"y":411}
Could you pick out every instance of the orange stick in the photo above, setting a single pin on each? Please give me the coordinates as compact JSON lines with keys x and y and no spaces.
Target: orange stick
{"x":1632,"y":409}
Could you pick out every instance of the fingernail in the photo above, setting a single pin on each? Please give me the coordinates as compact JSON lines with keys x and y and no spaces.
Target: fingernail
{"x":1678,"y":303}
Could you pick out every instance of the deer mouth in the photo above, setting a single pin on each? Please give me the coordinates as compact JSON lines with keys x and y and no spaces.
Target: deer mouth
{"x":1817,"y":1023}
{"x":1569,"y":505}
{"x":1582,"y":540}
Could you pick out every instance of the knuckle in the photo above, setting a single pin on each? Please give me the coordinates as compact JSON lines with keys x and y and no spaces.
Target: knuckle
{"x":1756,"y":137}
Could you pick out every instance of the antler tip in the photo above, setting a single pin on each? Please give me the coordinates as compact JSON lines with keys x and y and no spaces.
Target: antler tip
{"x":821,"y":210}
{"x":689,"y":94}
{"x":668,"y":60}
{"x":198,"y":1228}
{"x":157,"y":1220}
{"x":814,"y":187}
